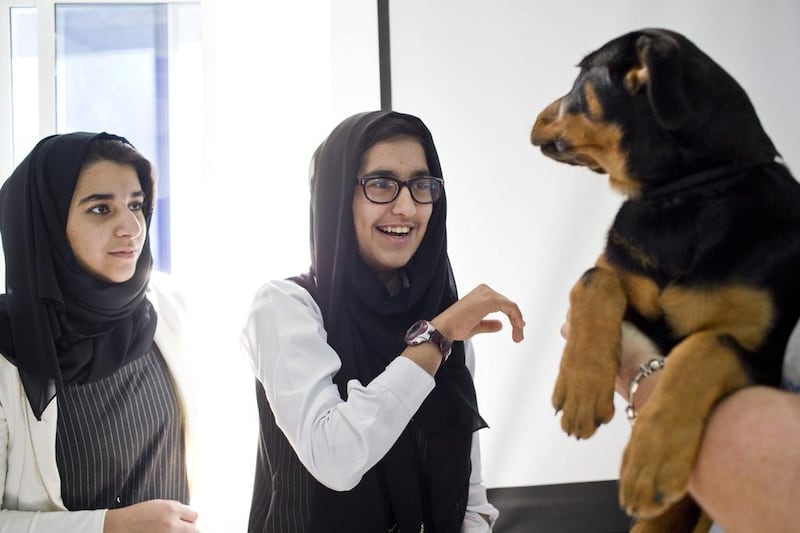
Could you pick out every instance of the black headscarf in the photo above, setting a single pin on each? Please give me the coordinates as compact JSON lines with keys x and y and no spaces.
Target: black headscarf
{"x":424,"y":478}
{"x":58,"y":324}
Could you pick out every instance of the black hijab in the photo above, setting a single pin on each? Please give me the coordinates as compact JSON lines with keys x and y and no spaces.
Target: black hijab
{"x":424,"y":478}
{"x":58,"y":324}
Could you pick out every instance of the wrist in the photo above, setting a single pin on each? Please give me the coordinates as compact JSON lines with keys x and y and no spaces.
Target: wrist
{"x":441,"y":325}
{"x":635,"y":383}
{"x":424,"y":331}
{"x":426,"y":356}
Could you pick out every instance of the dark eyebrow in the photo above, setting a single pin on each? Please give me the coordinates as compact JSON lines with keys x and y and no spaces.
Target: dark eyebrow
{"x":106,"y":196}
{"x":393,"y":174}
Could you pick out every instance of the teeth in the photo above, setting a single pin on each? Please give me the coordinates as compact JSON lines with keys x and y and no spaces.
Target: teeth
{"x":397,"y":230}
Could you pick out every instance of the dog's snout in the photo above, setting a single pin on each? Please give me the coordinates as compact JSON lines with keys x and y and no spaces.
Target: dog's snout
{"x":544,"y":128}
{"x":536,"y":138}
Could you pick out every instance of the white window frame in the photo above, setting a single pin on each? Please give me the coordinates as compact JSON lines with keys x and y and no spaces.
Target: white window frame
{"x":45,"y":11}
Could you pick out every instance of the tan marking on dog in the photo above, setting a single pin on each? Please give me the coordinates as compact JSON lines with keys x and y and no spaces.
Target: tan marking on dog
{"x":602,"y":142}
{"x":598,"y":140}
{"x":643,"y":295}
{"x":635,"y":79}
{"x":638,"y":76}
{"x":660,"y":455}
{"x":745,"y":313}
{"x":593,"y":105}
{"x":645,"y":260}
{"x":625,"y":185}
{"x":641,"y":292}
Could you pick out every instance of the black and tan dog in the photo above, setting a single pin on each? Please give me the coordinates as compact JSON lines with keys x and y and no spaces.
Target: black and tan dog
{"x":703,"y":256}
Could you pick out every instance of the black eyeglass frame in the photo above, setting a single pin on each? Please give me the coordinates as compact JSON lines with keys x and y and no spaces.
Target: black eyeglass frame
{"x":400,"y":184}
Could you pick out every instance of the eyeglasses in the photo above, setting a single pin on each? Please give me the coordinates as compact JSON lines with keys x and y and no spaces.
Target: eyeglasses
{"x":385,"y":189}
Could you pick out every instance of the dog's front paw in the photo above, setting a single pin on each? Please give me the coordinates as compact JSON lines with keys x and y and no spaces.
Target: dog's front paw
{"x":658,"y":461}
{"x":584,"y":393}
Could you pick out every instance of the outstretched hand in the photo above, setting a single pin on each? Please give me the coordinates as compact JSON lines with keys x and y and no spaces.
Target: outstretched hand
{"x":152,"y":516}
{"x":467,"y":317}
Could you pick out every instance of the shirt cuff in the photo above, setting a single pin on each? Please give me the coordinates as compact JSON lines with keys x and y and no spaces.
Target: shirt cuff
{"x":407,"y":381}
{"x":475,"y":523}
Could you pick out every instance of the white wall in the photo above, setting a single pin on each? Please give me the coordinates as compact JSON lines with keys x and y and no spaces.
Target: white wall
{"x":478,"y":73}
{"x":279,"y":76}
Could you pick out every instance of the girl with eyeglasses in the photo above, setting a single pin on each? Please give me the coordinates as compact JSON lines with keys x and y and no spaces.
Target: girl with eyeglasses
{"x":364,"y":366}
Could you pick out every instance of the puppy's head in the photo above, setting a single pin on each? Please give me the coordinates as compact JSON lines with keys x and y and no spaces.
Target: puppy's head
{"x":648,"y":107}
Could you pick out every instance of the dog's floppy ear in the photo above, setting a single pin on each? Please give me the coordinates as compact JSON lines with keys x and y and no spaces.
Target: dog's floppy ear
{"x":661,"y":71}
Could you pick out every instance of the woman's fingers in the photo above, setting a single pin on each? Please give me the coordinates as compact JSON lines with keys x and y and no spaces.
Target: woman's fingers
{"x":187,"y":514}
{"x":487,"y":326}
{"x":467,"y":316}
{"x":515,"y":317}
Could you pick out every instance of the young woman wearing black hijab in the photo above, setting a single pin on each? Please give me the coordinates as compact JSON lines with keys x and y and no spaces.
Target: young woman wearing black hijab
{"x":365,"y":426}
{"x":92,"y":399}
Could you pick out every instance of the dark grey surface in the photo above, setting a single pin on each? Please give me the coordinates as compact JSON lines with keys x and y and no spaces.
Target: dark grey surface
{"x":589,"y":507}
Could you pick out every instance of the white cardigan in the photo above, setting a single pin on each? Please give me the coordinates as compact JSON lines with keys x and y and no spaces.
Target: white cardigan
{"x":30,"y":485}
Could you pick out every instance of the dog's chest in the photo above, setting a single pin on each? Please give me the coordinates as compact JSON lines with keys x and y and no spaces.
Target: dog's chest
{"x":669,"y":241}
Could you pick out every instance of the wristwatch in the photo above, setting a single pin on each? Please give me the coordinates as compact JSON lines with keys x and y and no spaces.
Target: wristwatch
{"x":423,"y":331}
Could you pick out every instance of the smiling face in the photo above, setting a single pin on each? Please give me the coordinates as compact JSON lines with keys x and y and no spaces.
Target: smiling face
{"x":106,"y":226}
{"x":388,"y":235}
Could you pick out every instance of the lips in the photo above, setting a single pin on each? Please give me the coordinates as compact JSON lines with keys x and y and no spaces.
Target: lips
{"x":124,"y":254}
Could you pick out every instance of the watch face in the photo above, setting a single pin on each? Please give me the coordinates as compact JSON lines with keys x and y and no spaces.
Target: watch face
{"x":417,"y":333}
{"x":417,"y":328}
{"x":422,"y":331}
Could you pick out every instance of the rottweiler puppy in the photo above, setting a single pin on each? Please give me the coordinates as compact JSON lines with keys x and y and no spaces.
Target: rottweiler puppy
{"x":702,"y":256}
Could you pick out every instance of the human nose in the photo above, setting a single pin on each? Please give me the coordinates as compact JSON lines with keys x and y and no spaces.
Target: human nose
{"x":404,"y":204}
{"x":129,"y":225}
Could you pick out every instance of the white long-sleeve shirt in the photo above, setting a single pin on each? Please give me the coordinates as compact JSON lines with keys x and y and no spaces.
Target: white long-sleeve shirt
{"x":30,"y":483}
{"x":336,"y":440}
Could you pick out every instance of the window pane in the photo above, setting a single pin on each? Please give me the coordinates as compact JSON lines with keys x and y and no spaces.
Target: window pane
{"x":116,"y":65}
{"x":24,"y":81}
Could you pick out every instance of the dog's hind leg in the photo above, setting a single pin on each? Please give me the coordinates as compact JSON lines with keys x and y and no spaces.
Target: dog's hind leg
{"x":682,"y":517}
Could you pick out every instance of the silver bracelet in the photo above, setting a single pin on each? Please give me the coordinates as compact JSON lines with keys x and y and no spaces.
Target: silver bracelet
{"x":645,"y":370}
